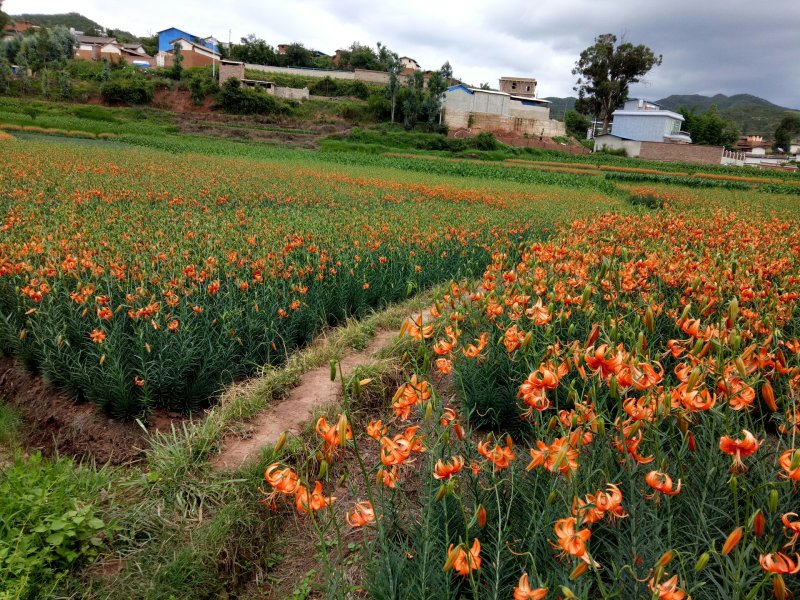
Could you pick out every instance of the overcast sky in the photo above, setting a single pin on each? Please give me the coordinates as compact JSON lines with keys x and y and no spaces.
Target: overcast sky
{"x":709,"y":46}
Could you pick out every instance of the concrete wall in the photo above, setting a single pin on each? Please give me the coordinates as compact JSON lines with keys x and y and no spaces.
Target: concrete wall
{"x":691,"y":153}
{"x":502,"y":125}
{"x":539,"y":113}
{"x":649,"y":127}
{"x":378,"y":77}
{"x":610,"y":142}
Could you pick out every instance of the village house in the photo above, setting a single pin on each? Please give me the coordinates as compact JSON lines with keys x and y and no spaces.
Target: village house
{"x":17,"y":28}
{"x":518,"y":86}
{"x":644,"y":130}
{"x":194,"y":55}
{"x":97,"y":48}
{"x":499,"y":112}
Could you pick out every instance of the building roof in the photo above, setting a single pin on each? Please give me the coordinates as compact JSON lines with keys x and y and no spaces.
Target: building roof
{"x":91,"y":39}
{"x":196,"y":45}
{"x":517,"y":79}
{"x":134,"y":53}
{"x":530,"y":99}
{"x":648,"y":113}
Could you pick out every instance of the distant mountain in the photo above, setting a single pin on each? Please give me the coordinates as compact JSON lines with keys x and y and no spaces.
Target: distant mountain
{"x":559,"y":106}
{"x":752,"y":115}
{"x":77,"y":21}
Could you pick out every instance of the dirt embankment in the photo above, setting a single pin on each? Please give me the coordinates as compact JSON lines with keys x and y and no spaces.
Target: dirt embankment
{"x":56,"y":424}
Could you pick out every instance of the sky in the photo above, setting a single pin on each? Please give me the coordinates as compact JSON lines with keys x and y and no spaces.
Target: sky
{"x":708,"y":46}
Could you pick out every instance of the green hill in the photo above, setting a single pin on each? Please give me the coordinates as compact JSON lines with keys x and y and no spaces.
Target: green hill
{"x":559,"y":106}
{"x":752,"y":115}
{"x":76,"y":21}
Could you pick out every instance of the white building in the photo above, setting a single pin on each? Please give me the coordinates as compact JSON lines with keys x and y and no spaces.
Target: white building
{"x":647,"y":122}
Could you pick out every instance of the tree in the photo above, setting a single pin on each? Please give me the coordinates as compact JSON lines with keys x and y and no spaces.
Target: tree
{"x":447,"y":73}
{"x":394,"y":67}
{"x":363,"y":57}
{"x":485,"y":86}
{"x":576,"y":124}
{"x":709,"y":127}
{"x":254,"y":50}
{"x":605,"y":73}
{"x":177,"y":62}
{"x":150,"y":45}
{"x":297,"y":55}
{"x":788,"y":129}
{"x":5,"y":75}
{"x":3,"y":17}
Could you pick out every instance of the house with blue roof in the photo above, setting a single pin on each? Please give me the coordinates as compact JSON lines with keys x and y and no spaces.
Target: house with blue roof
{"x":500,"y":112}
{"x":168,"y":37}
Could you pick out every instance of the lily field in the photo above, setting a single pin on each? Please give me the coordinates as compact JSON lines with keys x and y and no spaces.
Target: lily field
{"x":593,"y":390}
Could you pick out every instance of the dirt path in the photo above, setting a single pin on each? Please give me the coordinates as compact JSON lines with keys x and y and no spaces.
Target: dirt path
{"x":315,"y":390}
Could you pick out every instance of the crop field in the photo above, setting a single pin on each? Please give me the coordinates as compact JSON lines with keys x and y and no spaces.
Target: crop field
{"x":151,"y":281}
{"x":600,"y":402}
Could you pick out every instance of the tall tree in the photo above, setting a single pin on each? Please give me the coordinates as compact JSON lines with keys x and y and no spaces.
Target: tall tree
{"x":788,"y":129}
{"x":394,"y":67}
{"x":605,"y":73}
{"x":297,"y":55}
{"x":177,"y":62}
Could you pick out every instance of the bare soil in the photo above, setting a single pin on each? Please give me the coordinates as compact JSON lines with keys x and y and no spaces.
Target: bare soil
{"x":314,"y":391}
{"x":55,"y":423}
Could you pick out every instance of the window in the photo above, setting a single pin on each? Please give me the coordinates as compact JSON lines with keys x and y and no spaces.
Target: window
{"x":527,"y":88}
{"x":514,"y":85}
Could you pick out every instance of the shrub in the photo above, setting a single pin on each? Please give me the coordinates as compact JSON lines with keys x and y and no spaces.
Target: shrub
{"x":127,"y":90}
{"x":233,"y":98}
{"x":485,"y":140}
{"x":48,"y":523}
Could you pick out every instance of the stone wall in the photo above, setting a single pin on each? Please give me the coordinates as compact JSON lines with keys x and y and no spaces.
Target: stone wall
{"x":691,"y":153}
{"x":290,"y":93}
{"x":230,"y":69}
{"x":379,"y":77}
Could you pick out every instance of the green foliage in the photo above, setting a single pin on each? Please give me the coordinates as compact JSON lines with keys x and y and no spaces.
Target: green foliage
{"x":605,"y":73}
{"x":5,"y":75}
{"x":234,"y":98}
{"x":45,"y":48}
{"x":709,"y":127}
{"x":788,"y":130}
{"x":127,"y":90}
{"x":10,"y":424}
{"x":64,"y":85}
{"x":339,"y":87}
{"x":254,"y":50}
{"x":176,"y":72}
{"x":201,"y":85}
{"x":577,"y":124}
{"x":296,"y":55}
{"x":48,"y":523}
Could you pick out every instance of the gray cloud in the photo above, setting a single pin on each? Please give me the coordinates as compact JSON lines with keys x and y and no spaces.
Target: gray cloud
{"x":709,"y":47}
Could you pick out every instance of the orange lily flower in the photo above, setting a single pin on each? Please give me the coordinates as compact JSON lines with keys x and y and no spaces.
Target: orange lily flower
{"x":445,"y":470}
{"x":523,"y":591}
{"x":376,"y":429}
{"x":464,"y":561}
{"x":409,"y":395}
{"x":284,"y":481}
{"x":661,"y":482}
{"x":570,"y":540}
{"x":388,"y":477}
{"x":499,"y":455}
{"x":668,"y":590}
{"x":558,"y":457}
{"x":312,"y":501}
{"x":792,"y":529}
{"x":473,"y":350}
{"x":739,"y":449}
{"x":785,"y":461}
{"x":780,"y":563}
{"x":332,"y":434}
{"x":361,"y":514}
{"x":417,"y":330}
